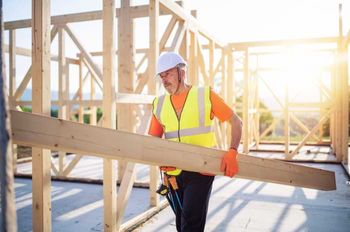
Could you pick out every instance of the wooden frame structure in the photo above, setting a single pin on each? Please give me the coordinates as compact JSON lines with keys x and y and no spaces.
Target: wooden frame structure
{"x":208,"y":59}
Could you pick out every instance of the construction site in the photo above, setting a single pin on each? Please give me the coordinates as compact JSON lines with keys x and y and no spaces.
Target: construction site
{"x":74,"y":118}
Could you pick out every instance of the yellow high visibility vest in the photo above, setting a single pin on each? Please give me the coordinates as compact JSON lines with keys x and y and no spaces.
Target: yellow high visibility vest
{"x":193,"y":126}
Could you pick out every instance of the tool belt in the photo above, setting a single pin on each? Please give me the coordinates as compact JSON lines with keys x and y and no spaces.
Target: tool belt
{"x":167,"y":182}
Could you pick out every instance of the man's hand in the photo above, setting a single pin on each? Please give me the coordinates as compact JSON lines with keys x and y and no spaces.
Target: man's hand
{"x":167,"y":168}
{"x":229,"y":163}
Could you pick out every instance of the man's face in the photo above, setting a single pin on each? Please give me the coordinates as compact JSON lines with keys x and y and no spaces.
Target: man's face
{"x":170,"y":80}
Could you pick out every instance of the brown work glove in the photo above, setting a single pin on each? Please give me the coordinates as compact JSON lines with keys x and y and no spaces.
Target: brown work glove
{"x":229,"y":164}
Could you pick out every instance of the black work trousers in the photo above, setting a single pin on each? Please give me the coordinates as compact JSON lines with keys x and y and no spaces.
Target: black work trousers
{"x":193,"y":193}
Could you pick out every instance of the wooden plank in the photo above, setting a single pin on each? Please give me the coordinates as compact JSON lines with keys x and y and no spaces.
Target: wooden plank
{"x":37,"y":130}
{"x":109,"y":113}
{"x":41,"y":96}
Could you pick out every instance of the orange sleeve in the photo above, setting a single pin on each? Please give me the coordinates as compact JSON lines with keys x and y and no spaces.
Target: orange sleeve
{"x":219,"y":108}
{"x":155,"y":128}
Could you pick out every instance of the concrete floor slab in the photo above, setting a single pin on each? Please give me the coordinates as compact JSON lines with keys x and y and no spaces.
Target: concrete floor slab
{"x":75,"y":206}
{"x":246,"y":205}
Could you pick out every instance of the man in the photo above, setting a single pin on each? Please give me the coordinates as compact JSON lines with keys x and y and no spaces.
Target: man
{"x":186,"y":115}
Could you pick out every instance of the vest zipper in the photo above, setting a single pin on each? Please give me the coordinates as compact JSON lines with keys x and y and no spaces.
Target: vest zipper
{"x":179,"y":117}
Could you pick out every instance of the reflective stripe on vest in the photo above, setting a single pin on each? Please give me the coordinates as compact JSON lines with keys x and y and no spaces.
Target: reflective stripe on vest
{"x":188,"y":132}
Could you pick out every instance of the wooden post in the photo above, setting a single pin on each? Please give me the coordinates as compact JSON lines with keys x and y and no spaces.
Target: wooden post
{"x":245,"y":111}
{"x":93,"y":109}
{"x":257,"y":107}
{"x":211,"y":62}
{"x":8,"y":209}
{"x":126,"y":70}
{"x":12,"y":87}
{"x":332,"y":119}
{"x":224,"y":95}
{"x":109,"y":112}
{"x":41,"y":98}
{"x":193,"y":62}
{"x":338,"y":94}
{"x":62,"y":89}
{"x":152,"y":66}
{"x":343,"y":92}
{"x":12,"y":67}
{"x":286,"y":120}
{"x":80,"y":91}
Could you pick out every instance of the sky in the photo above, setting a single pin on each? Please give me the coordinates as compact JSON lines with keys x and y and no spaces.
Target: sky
{"x":230,"y":20}
{"x":226,"y":20}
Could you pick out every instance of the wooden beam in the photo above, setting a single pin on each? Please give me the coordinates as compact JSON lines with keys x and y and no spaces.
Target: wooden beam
{"x":28,"y":52}
{"x":136,"y":12}
{"x":37,"y":130}
{"x":41,"y":96}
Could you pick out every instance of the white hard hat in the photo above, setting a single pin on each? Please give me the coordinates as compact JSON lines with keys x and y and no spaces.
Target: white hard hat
{"x":169,"y":60}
